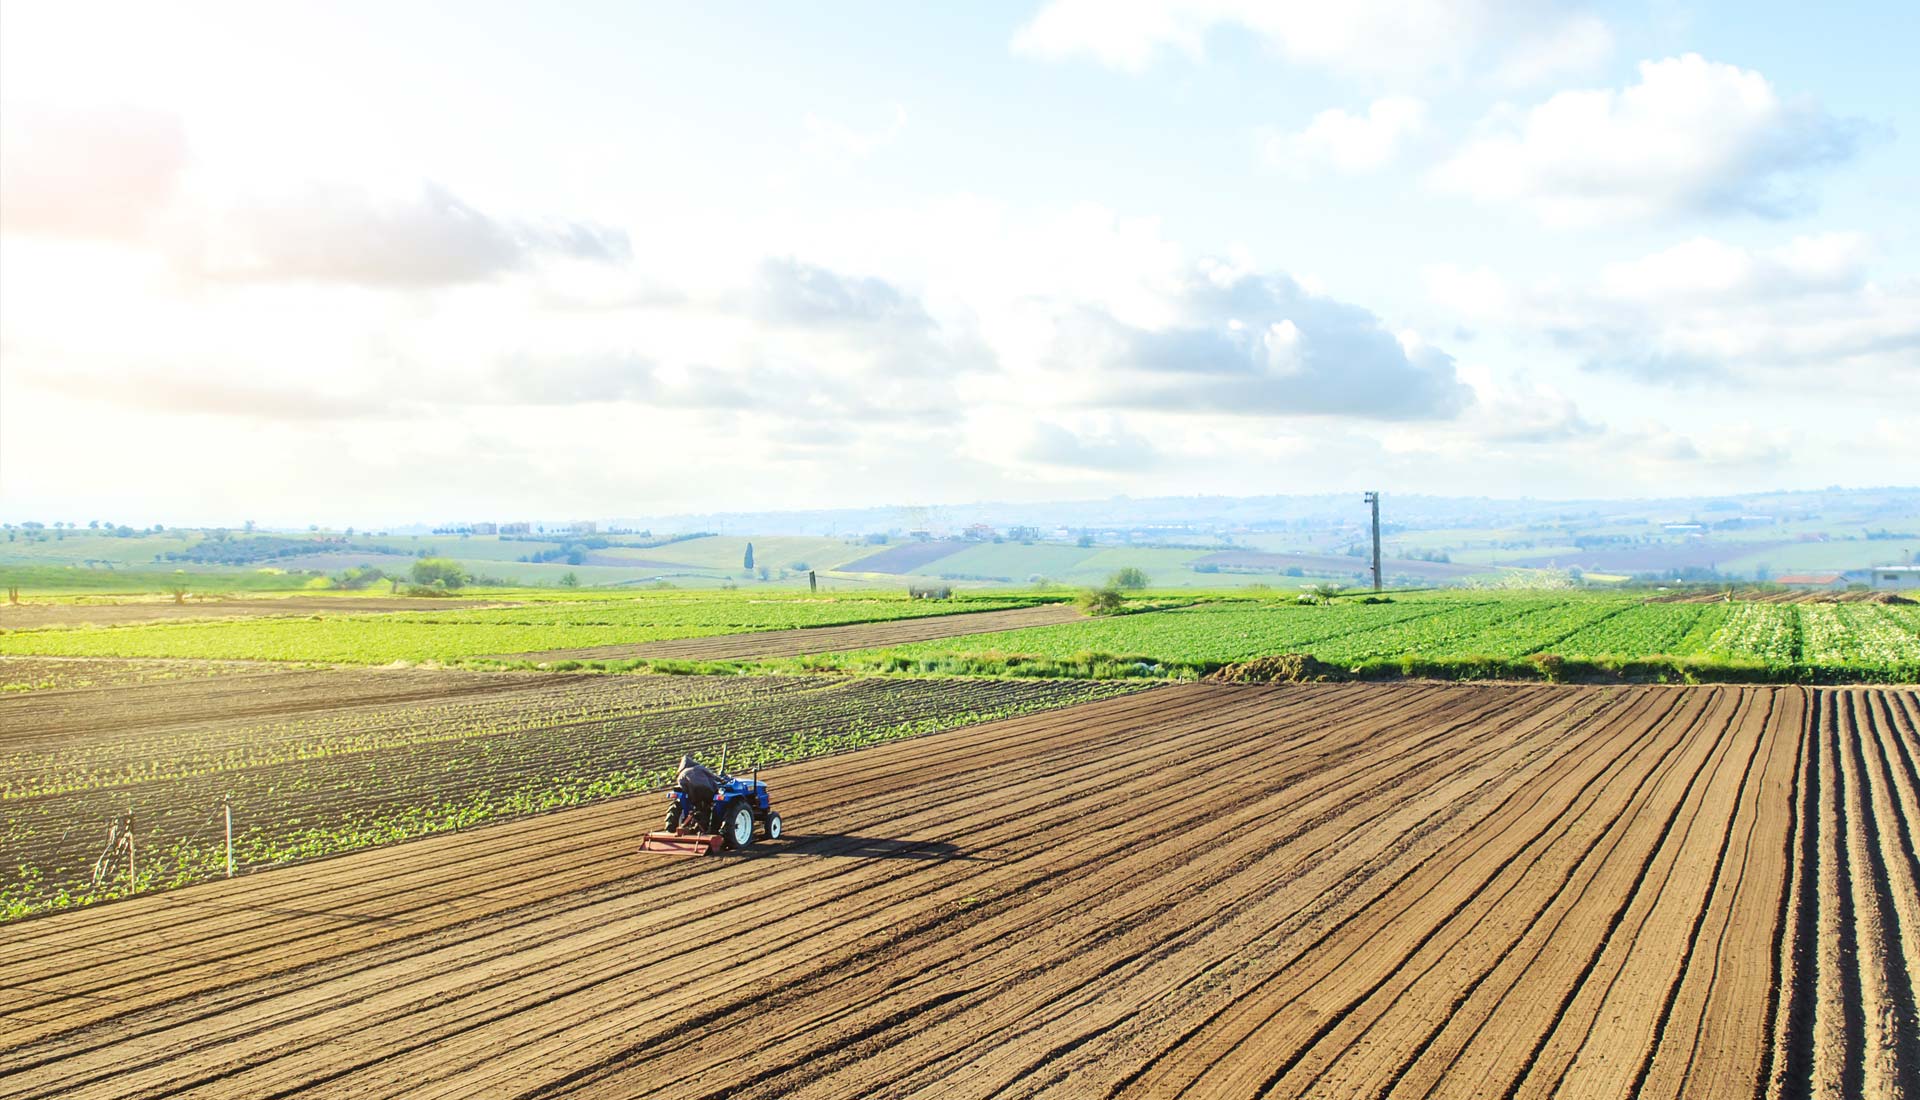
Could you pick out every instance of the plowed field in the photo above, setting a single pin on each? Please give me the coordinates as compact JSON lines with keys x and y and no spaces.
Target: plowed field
{"x":1336,"y":890}
{"x":818,"y":639}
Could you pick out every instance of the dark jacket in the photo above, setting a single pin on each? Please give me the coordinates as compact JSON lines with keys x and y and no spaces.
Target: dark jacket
{"x":697,"y":780}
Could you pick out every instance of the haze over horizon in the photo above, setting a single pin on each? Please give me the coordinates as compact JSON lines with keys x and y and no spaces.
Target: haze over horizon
{"x":376,"y":264}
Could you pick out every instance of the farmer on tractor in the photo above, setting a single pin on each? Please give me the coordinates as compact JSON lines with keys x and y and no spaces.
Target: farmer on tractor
{"x":711,"y":810}
{"x":700,"y":784}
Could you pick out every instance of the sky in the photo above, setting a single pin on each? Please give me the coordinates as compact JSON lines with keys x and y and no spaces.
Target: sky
{"x":371,"y":264}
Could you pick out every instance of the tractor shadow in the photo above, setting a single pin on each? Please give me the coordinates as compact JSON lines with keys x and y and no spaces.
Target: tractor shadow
{"x":866,"y":847}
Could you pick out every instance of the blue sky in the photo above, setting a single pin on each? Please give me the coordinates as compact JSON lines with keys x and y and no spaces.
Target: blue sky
{"x":373,"y":263}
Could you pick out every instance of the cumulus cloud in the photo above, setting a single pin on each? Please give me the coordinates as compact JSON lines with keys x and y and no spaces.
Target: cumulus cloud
{"x":1351,"y":143}
{"x":1516,"y":41}
{"x":104,"y":173}
{"x":1692,"y":137}
{"x":1246,"y":344}
{"x":349,"y":235}
{"x":1705,"y":309}
{"x":1109,"y":450}
{"x":1521,"y":410}
{"x":857,"y":316}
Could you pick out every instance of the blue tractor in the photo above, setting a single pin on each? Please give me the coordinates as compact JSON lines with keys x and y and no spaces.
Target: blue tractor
{"x":696,"y":826}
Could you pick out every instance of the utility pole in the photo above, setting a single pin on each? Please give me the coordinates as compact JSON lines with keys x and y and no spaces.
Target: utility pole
{"x":1374,"y":500}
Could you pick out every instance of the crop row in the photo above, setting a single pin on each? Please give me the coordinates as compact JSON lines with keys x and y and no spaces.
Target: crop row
{"x":338,"y":781}
{"x":1464,"y":628}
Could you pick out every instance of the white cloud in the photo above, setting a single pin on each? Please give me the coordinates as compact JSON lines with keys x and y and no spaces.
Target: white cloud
{"x":1707,"y":309}
{"x":1107,"y":449}
{"x":1692,"y":137}
{"x":846,"y":140}
{"x":1704,"y":269}
{"x":1745,"y":447}
{"x":1395,"y":41}
{"x":428,"y":237}
{"x":1521,"y":410}
{"x":1243,"y":344}
{"x":1579,"y":43}
{"x":1352,"y":143}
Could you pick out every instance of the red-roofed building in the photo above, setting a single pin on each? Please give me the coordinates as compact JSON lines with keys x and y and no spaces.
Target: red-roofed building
{"x":1812,"y":580}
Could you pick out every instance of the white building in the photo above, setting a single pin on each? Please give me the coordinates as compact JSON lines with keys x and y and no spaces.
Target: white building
{"x":1896,"y":577}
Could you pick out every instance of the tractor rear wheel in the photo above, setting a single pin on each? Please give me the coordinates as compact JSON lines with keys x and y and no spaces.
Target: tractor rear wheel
{"x":673,"y":816}
{"x":739,"y":829}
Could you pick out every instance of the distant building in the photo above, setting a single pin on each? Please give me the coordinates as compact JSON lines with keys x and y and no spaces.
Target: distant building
{"x":1833,"y":581}
{"x":979,"y":532}
{"x":584,"y":527}
{"x":1024,"y":534}
{"x":1897,"y":577}
{"x":516,"y":528}
{"x":486,"y":528}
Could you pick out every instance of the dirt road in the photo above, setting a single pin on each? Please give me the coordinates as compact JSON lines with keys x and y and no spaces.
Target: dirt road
{"x":1338,"y":890}
{"x":816,"y":639}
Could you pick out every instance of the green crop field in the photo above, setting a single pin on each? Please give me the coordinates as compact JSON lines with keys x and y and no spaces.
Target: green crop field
{"x":456,"y":634}
{"x":1467,"y":633}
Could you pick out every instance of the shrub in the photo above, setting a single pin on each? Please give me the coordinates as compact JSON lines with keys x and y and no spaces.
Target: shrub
{"x":1129,"y":578}
{"x":442,"y":571}
{"x":1102,"y":601}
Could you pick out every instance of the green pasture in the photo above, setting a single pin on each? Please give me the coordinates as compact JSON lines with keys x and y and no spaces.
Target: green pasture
{"x":455,"y":634}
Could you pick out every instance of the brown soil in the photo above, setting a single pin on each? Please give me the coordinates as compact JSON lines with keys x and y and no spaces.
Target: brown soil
{"x":815,"y":639}
{"x":1774,"y":595}
{"x":1322,"y":890}
{"x":33,"y":615}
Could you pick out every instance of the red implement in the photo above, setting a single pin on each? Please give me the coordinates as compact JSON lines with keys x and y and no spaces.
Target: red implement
{"x":682,"y":844}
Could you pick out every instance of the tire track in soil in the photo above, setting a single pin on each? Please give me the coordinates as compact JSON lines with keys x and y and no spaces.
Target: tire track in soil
{"x":1204,"y":1042}
{"x":1888,"y":1023}
{"x":1475,"y":884}
{"x":1405,"y":887}
{"x":1556,"y":1059}
{"x":1519,"y":999}
{"x":1404,"y":1007}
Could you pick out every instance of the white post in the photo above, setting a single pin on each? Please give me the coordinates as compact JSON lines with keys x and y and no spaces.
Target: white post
{"x":227,"y":805}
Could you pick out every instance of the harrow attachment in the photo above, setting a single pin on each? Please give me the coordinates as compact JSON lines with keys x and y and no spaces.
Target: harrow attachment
{"x":681,"y":844}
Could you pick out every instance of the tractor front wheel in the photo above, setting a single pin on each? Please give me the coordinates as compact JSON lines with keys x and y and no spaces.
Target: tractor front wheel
{"x":773,"y":826}
{"x":739,"y":831}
